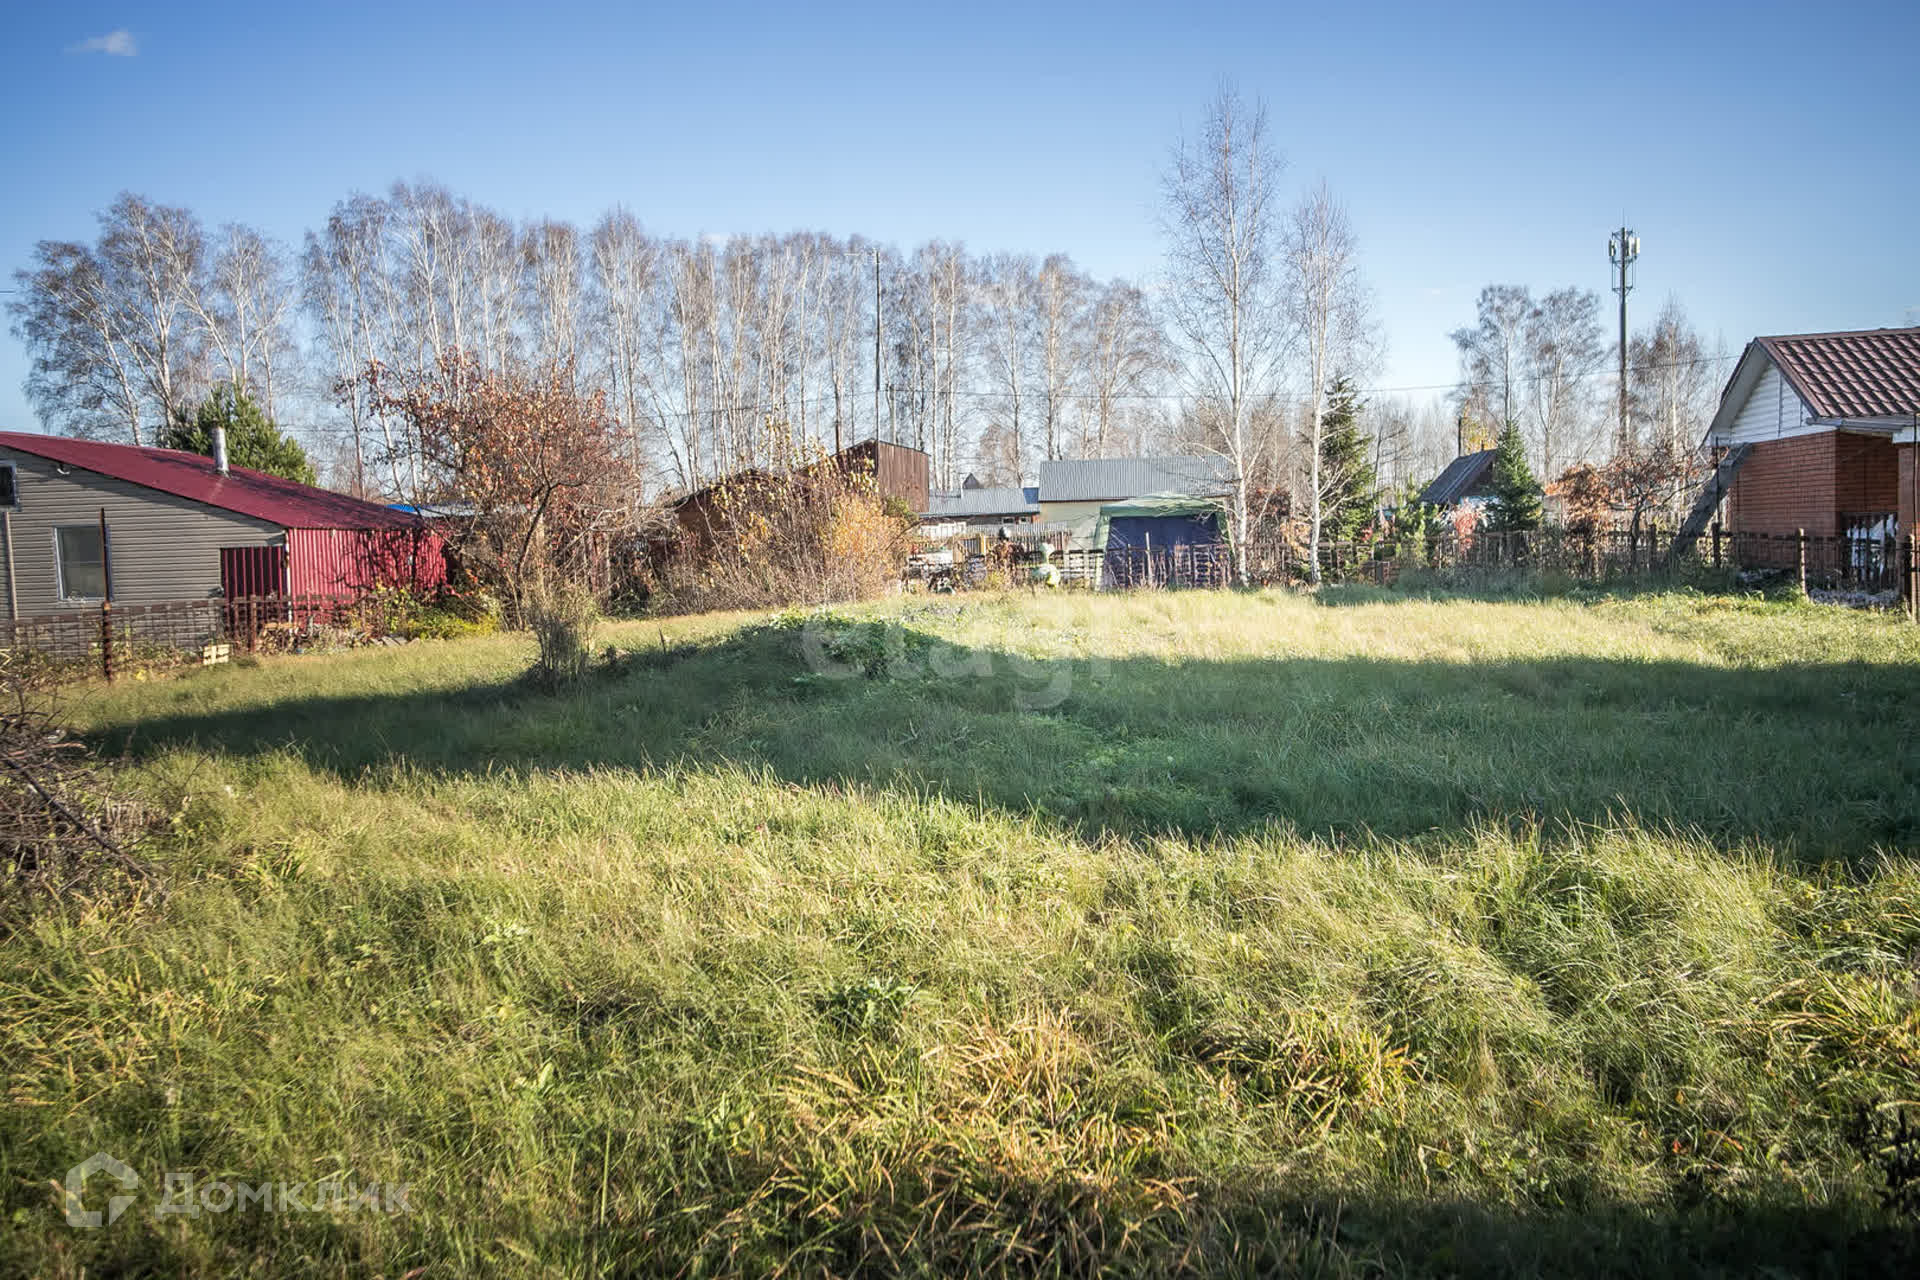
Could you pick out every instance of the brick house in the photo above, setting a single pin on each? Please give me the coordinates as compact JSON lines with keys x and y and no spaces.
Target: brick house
{"x":1829,"y":420}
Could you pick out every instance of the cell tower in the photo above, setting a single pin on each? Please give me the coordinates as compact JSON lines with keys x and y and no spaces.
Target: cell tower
{"x":1623,"y":249}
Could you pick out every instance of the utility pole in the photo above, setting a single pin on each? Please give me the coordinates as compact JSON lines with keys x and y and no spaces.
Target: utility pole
{"x":876,"y":342}
{"x":1623,"y":247}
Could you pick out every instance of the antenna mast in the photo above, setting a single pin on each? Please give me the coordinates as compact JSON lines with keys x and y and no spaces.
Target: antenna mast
{"x":1623,"y":248}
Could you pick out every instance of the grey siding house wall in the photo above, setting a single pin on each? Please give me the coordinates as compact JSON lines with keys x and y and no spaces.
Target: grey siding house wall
{"x":164,"y":547}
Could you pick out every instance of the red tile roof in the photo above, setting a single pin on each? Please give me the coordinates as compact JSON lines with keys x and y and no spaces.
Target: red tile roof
{"x":190,"y":475}
{"x":1870,"y":373}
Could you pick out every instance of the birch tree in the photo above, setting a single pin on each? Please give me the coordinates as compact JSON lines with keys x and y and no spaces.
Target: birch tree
{"x":1327,"y":305}
{"x":349,"y":290}
{"x":82,"y":374}
{"x":1493,"y":354}
{"x":1564,"y":348}
{"x":550,"y":293}
{"x":112,"y":330}
{"x":1219,"y":221}
{"x":246,"y":311}
{"x":623,"y":279}
{"x":1122,"y":363}
{"x":1008,"y":294}
{"x":1060,"y":296}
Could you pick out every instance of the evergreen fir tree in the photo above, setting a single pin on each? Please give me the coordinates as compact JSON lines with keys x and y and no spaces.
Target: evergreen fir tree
{"x":1516,"y":494}
{"x":1351,"y":487}
{"x":253,"y":441}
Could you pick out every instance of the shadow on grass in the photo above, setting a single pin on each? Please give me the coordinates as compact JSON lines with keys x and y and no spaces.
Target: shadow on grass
{"x":1814,"y":760}
{"x":1241,"y":1233}
{"x":1443,"y":1237}
{"x":1036,"y":1228}
{"x":1501,"y":588}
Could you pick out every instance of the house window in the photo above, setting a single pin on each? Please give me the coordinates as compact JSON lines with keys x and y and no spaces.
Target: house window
{"x":9,"y":486}
{"x":81,"y":561}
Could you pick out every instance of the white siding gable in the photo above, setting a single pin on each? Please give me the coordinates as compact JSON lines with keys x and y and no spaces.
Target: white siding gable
{"x":1773,"y":411}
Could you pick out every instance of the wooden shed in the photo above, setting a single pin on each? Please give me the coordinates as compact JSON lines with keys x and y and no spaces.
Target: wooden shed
{"x":162,"y":525}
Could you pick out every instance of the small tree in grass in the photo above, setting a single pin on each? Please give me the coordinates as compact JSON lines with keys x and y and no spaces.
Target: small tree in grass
{"x":537,"y":473}
{"x":1348,"y":490}
{"x":1516,"y":494}
{"x":1587,"y":498}
{"x":533,"y":466}
{"x":561,"y":616}
{"x":253,"y":440}
{"x":1645,"y":480}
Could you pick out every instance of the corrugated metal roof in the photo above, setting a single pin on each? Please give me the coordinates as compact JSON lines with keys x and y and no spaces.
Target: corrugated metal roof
{"x":1107,"y":479}
{"x":1459,"y":479}
{"x":1868,"y":373}
{"x":191,"y":475}
{"x":972,"y":503}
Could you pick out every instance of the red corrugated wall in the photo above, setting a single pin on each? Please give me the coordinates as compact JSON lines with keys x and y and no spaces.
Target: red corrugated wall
{"x":351,"y":562}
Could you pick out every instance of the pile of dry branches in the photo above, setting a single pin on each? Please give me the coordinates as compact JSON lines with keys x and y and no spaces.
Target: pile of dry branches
{"x":61,"y":832}
{"x":811,"y":532}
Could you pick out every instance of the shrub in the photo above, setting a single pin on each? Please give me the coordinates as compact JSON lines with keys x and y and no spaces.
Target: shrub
{"x":816,"y":533}
{"x":561,"y":617}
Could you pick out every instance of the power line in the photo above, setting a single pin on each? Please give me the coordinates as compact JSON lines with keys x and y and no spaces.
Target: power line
{"x":976,"y":393}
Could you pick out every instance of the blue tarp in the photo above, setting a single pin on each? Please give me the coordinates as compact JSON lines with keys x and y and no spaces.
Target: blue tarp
{"x":1163,"y":539}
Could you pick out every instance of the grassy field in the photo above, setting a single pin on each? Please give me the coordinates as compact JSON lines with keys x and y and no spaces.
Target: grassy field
{"x":1189,"y":932}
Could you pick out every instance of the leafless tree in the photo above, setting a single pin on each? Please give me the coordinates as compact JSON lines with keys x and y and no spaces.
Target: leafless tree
{"x":1328,"y":307}
{"x":950,"y":282}
{"x":83,"y":376}
{"x":701,"y":348}
{"x":1123,"y":364}
{"x":1672,"y":392}
{"x":1564,"y":348}
{"x":625,"y":267}
{"x":111,"y":329}
{"x":846,"y":326}
{"x":342,"y":277}
{"x":1219,"y":222}
{"x":1008,"y":293}
{"x":1493,"y":355}
{"x":551,"y":292}
{"x":1060,"y":292}
{"x":1673,"y":382}
{"x":246,"y":310}
{"x":496,"y":260}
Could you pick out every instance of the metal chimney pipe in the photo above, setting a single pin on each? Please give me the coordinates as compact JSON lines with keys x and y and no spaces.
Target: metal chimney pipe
{"x":220,"y":450}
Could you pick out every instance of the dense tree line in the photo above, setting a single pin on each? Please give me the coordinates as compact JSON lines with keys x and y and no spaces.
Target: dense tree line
{"x":1546,"y":366}
{"x":699,"y":346}
{"x":710,"y":354}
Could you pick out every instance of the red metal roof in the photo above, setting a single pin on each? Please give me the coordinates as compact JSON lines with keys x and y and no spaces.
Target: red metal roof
{"x":1868,"y":373}
{"x":191,"y":475}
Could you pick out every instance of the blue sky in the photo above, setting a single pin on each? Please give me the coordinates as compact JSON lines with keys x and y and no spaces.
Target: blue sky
{"x":1766,"y":153}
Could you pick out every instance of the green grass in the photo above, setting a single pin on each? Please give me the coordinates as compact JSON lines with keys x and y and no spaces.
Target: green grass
{"x":1202,"y":932}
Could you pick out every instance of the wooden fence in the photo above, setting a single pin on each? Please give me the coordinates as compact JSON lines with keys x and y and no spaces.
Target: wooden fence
{"x":107,"y":639}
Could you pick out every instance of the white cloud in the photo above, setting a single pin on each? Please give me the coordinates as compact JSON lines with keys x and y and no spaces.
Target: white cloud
{"x":115,"y":44}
